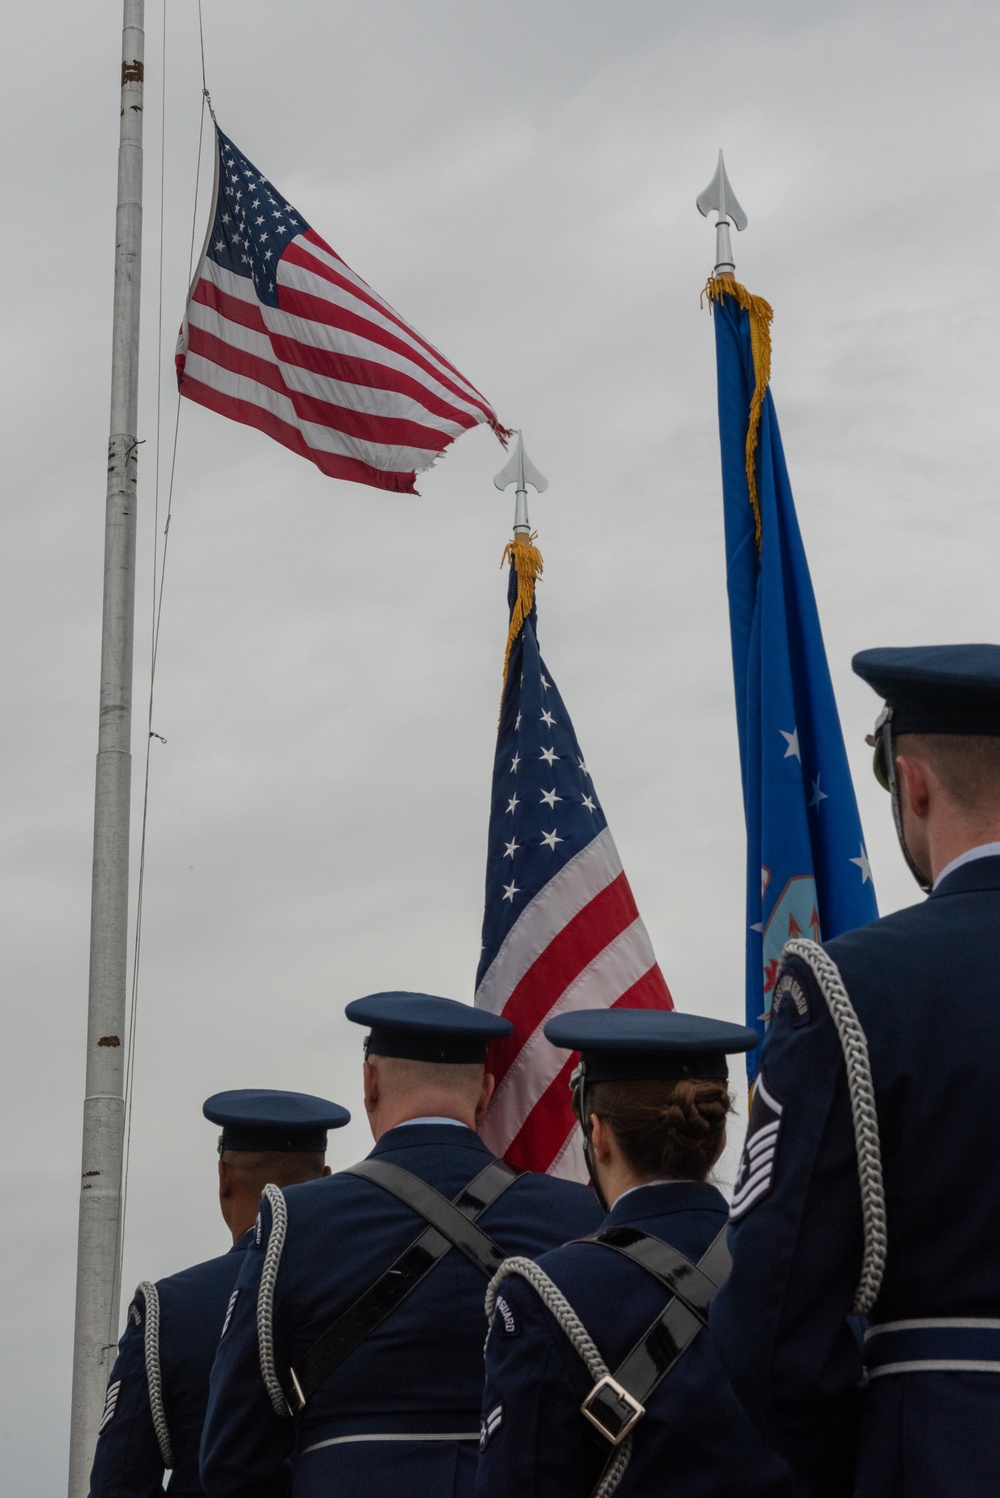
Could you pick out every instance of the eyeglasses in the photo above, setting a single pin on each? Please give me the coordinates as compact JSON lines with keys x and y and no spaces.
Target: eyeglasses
{"x":883,"y":760}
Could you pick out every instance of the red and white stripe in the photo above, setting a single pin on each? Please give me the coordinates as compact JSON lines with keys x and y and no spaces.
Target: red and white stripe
{"x":332,"y":372}
{"x":580,"y":944}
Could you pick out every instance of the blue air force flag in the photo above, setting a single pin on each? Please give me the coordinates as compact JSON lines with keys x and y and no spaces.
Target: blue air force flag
{"x":807,"y":867}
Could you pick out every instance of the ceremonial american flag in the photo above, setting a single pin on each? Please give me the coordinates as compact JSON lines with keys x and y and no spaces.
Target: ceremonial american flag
{"x":281,"y":334}
{"x":561,"y":929}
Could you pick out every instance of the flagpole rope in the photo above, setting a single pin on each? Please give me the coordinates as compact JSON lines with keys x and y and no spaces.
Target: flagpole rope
{"x":158,"y":579}
{"x":760,"y":315}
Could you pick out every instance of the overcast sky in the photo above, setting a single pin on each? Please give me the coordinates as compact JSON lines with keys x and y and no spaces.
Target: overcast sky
{"x":518,"y":179}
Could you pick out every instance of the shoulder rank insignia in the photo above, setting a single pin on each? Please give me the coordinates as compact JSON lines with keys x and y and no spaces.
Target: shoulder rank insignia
{"x":756,"y":1172}
{"x":491,"y":1423}
{"x":110,"y":1403}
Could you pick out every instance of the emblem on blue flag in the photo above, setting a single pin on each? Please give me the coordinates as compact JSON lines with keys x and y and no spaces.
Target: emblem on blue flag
{"x":807,"y":867}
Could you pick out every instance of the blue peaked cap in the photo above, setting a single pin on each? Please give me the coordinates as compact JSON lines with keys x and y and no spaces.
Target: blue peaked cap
{"x":259,"y":1119}
{"x":623,"y":1045}
{"x":937,"y":688}
{"x":423,"y":1027}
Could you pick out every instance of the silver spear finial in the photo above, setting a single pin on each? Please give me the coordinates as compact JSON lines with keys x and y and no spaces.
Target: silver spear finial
{"x":520,"y":470}
{"x":720,"y":196}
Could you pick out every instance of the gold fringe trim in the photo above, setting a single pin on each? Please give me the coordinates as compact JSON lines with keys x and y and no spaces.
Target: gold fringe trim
{"x":761,"y":315}
{"x":527,"y":560}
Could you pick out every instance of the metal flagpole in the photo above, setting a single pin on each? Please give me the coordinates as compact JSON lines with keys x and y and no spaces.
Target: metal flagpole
{"x":98,"y":1271}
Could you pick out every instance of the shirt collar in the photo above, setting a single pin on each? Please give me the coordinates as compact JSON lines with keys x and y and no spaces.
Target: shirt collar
{"x":431,"y":1119}
{"x":984,"y":850}
{"x":668,"y":1181}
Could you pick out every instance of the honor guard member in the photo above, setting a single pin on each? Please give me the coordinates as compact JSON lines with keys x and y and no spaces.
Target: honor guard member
{"x":355,"y":1350}
{"x":600,"y":1372}
{"x":155,"y":1404}
{"x":869,"y":1180}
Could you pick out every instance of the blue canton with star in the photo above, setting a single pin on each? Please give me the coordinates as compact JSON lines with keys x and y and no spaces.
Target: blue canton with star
{"x":253,"y":222}
{"x":544,"y":807}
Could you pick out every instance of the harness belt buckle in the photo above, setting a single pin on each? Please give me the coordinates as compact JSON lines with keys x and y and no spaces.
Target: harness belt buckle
{"x":611,"y":1409}
{"x":297,"y":1403}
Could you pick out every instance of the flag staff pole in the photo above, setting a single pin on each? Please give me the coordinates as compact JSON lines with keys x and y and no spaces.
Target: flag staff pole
{"x":98,"y":1272}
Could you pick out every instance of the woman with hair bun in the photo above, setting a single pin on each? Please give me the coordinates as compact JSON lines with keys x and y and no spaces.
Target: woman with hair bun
{"x":601,"y":1376}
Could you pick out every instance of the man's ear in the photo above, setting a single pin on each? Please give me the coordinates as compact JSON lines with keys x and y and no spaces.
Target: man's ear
{"x":915,"y":784}
{"x":227,"y":1183}
{"x":328,"y":1170}
{"x":371,"y":1080}
{"x":486,"y":1092}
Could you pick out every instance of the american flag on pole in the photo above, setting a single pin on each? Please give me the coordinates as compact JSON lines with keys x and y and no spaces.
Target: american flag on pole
{"x":561,"y":929}
{"x":279,"y":333}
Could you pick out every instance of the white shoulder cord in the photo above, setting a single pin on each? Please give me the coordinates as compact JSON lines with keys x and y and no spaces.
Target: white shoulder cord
{"x":555,"y":1301}
{"x":862,"y":1094}
{"x":154,"y":1378}
{"x":265,"y":1299}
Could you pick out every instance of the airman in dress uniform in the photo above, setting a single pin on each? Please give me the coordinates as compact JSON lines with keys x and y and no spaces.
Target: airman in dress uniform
{"x":355,"y":1349}
{"x":869,"y":1179}
{"x":600,"y":1372}
{"x":155,"y":1405}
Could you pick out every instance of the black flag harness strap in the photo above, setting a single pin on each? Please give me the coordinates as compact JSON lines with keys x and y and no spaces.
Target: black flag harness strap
{"x":618,"y":1400}
{"x":450,"y":1224}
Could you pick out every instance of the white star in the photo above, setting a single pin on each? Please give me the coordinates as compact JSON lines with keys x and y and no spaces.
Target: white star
{"x":260,"y":217}
{"x":583,"y":767}
{"x":510,"y":890}
{"x":545,"y":684}
{"x":268,"y":254}
{"x":817,"y":795}
{"x":263,"y":236}
{"x":517,"y":722}
{"x":512,"y":805}
{"x":550,"y":798}
{"x":220,"y":244}
{"x":548,"y":755}
{"x":548,"y":719}
{"x":588,"y":803}
{"x":510,"y":848}
{"x":792,"y":740}
{"x":280,"y":229}
{"x":514,"y":764}
{"x":225,"y":218}
{"x":863,"y":865}
{"x":244,"y":259}
{"x":256,"y":204}
{"x":550,"y":839}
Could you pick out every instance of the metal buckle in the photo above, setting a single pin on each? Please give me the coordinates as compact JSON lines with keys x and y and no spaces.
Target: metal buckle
{"x":299,"y":1406}
{"x":611,"y":1409}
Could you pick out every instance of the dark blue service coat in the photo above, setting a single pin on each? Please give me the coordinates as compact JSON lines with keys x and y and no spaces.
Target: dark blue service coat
{"x":127,"y":1462}
{"x":694,"y":1441}
{"x":925,"y":983}
{"x":401,"y":1414}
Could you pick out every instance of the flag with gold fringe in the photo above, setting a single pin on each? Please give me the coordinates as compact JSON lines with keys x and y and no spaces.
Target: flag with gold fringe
{"x":807,"y":866}
{"x":560,"y":929}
